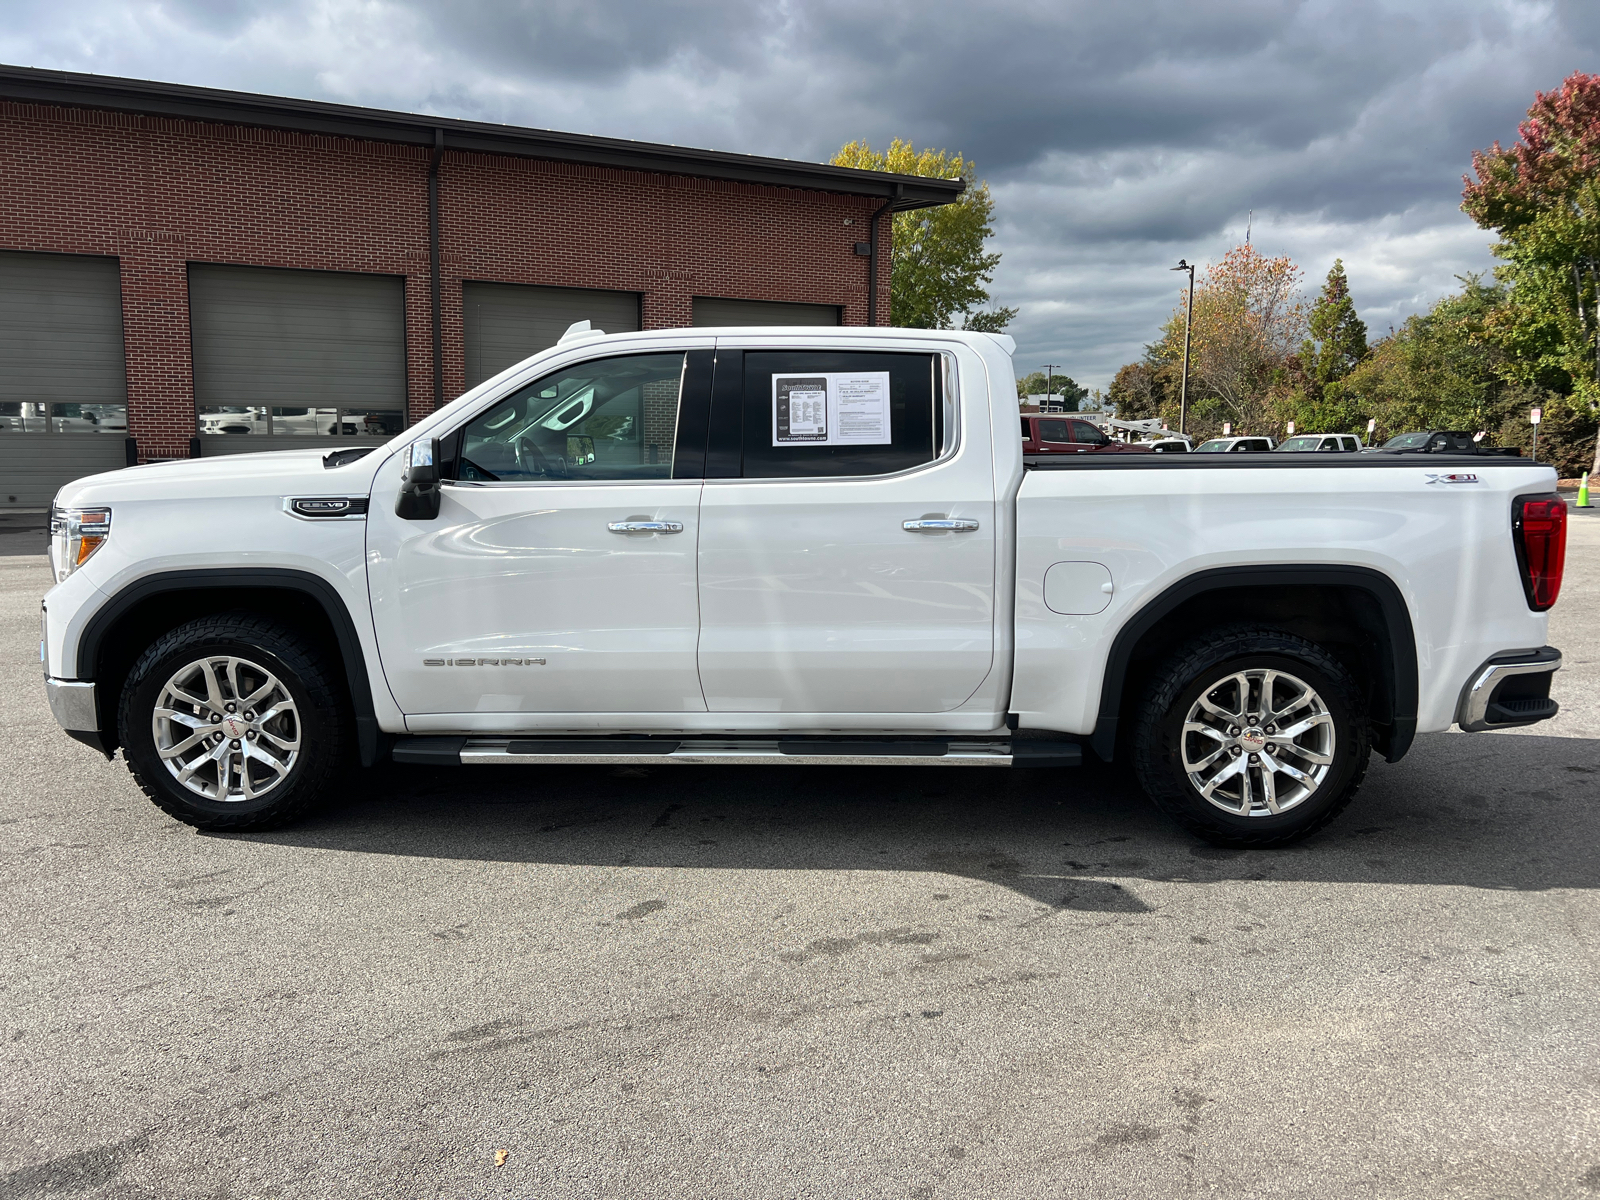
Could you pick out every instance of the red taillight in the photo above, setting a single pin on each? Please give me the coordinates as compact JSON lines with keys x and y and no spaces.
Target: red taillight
{"x":1539,"y":528}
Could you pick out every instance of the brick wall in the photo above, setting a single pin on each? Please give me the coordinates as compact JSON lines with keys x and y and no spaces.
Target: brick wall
{"x":161,"y":193}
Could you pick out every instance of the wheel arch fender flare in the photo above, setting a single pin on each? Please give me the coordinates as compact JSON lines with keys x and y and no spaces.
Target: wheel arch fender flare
{"x":369,"y":738}
{"x":1400,"y":671}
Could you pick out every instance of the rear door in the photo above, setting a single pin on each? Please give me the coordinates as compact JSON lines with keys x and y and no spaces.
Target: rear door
{"x":847,"y":534}
{"x":1055,"y":437}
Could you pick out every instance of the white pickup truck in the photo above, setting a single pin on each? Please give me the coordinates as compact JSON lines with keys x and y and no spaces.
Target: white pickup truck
{"x":798,"y":546}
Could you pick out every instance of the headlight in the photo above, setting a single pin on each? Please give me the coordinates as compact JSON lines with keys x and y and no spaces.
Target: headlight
{"x":75,"y":534}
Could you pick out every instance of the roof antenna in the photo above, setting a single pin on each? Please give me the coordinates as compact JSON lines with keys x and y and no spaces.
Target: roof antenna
{"x":1249,"y":222}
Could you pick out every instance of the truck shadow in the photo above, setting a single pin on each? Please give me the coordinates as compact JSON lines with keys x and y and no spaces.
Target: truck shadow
{"x":1514,"y":813}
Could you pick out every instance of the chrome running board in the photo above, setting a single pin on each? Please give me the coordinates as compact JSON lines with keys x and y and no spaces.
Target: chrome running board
{"x":701,"y":751}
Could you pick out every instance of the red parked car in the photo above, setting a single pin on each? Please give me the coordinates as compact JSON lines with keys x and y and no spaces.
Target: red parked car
{"x":1046,"y":434}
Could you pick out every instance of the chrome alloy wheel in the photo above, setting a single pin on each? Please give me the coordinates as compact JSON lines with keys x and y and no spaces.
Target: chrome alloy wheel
{"x":226,"y":728}
{"x":1258,"y":743}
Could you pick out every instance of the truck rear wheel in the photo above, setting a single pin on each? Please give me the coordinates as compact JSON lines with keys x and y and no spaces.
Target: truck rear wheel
{"x":1252,"y":737}
{"x":232,"y":722}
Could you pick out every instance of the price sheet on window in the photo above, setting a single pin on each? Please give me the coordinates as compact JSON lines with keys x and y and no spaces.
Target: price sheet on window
{"x":831,"y":409}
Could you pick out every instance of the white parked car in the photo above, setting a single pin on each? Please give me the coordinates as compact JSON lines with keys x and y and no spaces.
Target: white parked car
{"x":1235,"y":445}
{"x":1320,"y":443}
{"x":796,"y":546}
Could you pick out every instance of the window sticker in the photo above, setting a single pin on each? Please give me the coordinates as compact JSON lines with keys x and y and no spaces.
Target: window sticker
{"x":842,"y":409}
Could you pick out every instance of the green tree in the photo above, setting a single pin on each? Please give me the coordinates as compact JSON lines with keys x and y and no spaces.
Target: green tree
{"x":1542,"y":196}
{"x":1059,"y":385}
{"x":938,"y":263}
{"x":1446,"y":369}
{"x":1338,"y":340}
{"x":1136,"y":390}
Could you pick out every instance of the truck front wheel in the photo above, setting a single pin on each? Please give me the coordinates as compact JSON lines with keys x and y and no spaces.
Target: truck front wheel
{"x":232,"y":722}
{"x":1252,"y":737}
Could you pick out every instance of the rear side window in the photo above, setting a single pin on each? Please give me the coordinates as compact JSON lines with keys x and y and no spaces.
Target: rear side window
{"x":1027,"y":434}
{"x":810,"y":413}
{"x":1053,"y":431}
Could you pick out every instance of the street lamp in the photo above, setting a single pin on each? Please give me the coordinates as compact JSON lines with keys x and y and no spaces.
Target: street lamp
{"x":1049,"y":376}
{"x":1188,"y":322}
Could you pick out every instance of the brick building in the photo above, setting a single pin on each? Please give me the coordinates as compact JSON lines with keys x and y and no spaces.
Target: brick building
{"x":198,"y":271}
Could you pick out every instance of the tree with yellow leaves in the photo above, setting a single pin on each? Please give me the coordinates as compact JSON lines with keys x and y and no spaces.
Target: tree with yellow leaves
{"x":938,"y":267}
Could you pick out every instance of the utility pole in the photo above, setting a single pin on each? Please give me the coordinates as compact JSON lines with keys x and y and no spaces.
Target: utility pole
{"x":1188,"y":324}
{"x":1049,"y":377}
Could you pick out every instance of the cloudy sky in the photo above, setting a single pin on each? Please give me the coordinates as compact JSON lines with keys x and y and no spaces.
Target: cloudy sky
{"x":1116,"y":137}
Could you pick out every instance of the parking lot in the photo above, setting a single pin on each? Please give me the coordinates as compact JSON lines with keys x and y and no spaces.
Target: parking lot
{"x":813,"y":982}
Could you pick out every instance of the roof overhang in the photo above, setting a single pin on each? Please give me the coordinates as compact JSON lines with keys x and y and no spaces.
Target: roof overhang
{"x":31,"y":85}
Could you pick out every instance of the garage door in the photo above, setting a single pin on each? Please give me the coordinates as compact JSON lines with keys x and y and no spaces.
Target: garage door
{"x":710,"y":311}
{"x":290,"y":359}
{"x":63,"y":387}
{"x":506,"y":322}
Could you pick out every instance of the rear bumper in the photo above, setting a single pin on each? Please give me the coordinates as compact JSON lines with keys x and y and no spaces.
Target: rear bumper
{"x":1510,"y":690}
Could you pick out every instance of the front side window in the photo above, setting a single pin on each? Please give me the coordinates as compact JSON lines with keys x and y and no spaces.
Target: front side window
{"x":811,"y":413}
{"x":1083,"y":431}
{"x":609,"y":418}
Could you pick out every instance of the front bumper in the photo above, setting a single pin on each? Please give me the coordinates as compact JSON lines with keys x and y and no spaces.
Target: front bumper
{"x":72,"y":703}
{"x":1510,"y":690}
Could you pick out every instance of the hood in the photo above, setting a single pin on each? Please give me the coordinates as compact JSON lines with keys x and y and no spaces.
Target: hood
{"x":272,"y":472}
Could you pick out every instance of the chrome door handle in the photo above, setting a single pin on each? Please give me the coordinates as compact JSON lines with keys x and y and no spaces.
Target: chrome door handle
{"x":646,"y":526}
{"x":939,"y":525}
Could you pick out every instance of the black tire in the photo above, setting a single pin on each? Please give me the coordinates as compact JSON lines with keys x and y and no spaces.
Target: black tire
{"x":320,"y":721}
{"x":1196,"y":671}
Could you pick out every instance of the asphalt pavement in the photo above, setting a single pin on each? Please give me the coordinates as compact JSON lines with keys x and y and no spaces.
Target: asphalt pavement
{"x":811,"y":982}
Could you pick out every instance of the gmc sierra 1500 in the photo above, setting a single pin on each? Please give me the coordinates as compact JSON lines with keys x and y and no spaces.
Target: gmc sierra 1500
{"x":793,"y":546}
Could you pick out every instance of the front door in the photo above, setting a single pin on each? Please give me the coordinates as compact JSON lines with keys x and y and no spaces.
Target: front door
{"x":847,"y":550}
{"x":559,"y":576}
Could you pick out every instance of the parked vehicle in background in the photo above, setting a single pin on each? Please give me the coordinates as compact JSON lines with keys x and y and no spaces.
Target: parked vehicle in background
{"x":1442,"y":441}
{"x":234,"y":419}
{"x":1235,"y":445}
{"x":1068,"y":435}
{"x":788,"y":546}
{"x":1323,"y":443}
{"x":39,"y":416}
{"x":1171,"y":445}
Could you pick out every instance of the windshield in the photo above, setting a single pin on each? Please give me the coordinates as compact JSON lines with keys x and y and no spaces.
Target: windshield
{"x":1407,"y":441}
{"x":1215,"y":446}
{"x":1301,"y":443}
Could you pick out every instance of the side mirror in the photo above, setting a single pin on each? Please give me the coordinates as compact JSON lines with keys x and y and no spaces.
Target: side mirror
{"x":419,"y":486}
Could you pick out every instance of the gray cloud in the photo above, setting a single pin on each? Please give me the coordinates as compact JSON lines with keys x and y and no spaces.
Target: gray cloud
{"x":1116,"y":137}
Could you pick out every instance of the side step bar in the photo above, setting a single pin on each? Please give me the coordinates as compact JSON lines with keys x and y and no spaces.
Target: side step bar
{"x":699,"y":751}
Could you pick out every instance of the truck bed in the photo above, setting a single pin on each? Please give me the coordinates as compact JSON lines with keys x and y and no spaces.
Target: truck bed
{"x":1101,"y":538}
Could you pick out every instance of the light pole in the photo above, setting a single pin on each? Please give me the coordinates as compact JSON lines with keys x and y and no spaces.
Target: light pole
{"x":1188,"y":323}
{"x":1049,"y":376}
